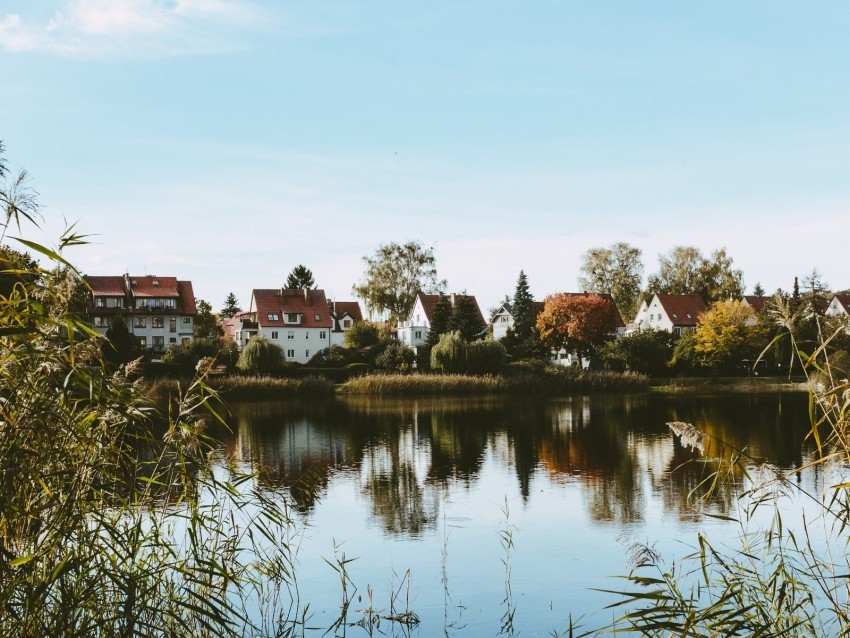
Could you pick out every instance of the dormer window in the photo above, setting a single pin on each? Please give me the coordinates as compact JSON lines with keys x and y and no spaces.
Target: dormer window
{"x":317,"y":317}
{"x":293,"y":317}
{"x":675,"y":316}
{"x":273,"y":316}
{"x":688,"y":315}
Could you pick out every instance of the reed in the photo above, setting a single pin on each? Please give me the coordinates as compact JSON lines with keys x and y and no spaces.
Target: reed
{"x":237,"y":388}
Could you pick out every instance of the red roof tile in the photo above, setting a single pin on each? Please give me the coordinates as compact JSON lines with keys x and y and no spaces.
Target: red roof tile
{"x":429,"y":301}
{"x":340,"y":309}
{"x":844,"y":300}
{"x":150,"y":286}
{"x":107,"y":286}
{"x":683,"y":310}
{"x":310,"y":304}
{"x":756,"y":302}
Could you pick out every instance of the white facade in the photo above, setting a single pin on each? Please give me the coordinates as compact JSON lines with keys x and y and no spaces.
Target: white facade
{"x":839,"y":306}
{"x":414,"y":332}
{"x":652,"y":316}
{"x":298,"y":344}
{"x":502,"y":320}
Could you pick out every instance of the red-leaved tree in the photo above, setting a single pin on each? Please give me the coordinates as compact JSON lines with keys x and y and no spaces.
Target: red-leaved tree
{"x":576,"y":322}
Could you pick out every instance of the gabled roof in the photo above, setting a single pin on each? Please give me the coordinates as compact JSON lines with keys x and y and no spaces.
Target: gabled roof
{"x":756,"y":302}
{"x":429,"y":301}
{"x":151,"y":286}
{"x":683,"y":310}
{"x":311,"y":304}
{"x":186,"y":303}
{"x":106,"y":286}
{"x":844,"y":300}
{"x":341,"y":309}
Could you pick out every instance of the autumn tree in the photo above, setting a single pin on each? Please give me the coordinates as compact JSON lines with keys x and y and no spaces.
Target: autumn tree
{"x":231,"y":306}
{"x":394,"y":276}
{"x":576,"y":322}
{"x":617,"y":271}
{"x":727,"y":334}
{"x":300,"y":277}
{"x":685,"y":271}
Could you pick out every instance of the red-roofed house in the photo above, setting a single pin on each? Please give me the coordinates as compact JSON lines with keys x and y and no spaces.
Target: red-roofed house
{"x":344,"y":314}
{"x":673,"y":313}
{"x":414,"y":331}
{"x":756,"y":302}
{"x":158,"y":311}
{"x":298,"y":320}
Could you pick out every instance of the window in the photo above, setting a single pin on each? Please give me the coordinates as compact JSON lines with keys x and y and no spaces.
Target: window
{"x":158,"y":342}
{"x":101,"y":322}
{"x":157,"y":322}
{"x":292,"y":317}
{"x":677,"y":331}
{"x":307,"y":354}
{"x":172,"y":324}
{"x":317,"y":317}
{"x":504,"y":319}
{"x":187,"y":319}
{"x":274,"y":334}
{"x":143,"y":342}
{"x":346,"y":323}
{"x":323,"y":334}
{"x":100,"y":302}
{"x":172,"y":340}
{"x":273,"y":316}
{"x":688,"y":315}
{"x":142,"y":303}
{"x":169,"y":303}
{"x":418,"y":334}
{"x":140,"y":322}
{"x":290,"y":334}
{"x":185,"y":341}
{"x":290,"y":354}
{"x":306,"y":335}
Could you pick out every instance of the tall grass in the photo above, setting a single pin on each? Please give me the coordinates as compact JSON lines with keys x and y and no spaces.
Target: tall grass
{"x":112,"y":520}
{"x":548,"y":381}
{"x":252,"y":388}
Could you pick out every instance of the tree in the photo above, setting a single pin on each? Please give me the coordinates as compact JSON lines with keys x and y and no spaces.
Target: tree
{"x":577,"y":323}
{"x":300,"y":277}
{"x":522,"y":340}
{"x":454,"y":354}
{"x":394,"y":276}
{"x":722,"y":339}
{"x":616,"y":271}
{"x":396,"y":357}
{"x":260,"y":356}
{"x":758,"y":291}
{"x":16,"y":268}
{"x":816,"y":292}
{"x":685,"y":271}
{"x":206,"y":324}
{"x":647,"y":351}
{"x":441,"y":317}
{"x":119,"y":346}
{"x":465,"y":318}
{"x":362,"y":335}
{"x":231,"y":306}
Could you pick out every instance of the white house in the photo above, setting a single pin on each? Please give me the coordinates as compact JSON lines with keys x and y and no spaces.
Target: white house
{"x":344,"y":315}
{"x":158,"y":311}
{"x":673,"y":313}
{"x":298,"y":320}
{"x":839,"y":306}
{"x":414,"y":332}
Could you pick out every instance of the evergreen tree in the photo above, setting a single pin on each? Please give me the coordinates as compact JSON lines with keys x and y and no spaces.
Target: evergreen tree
{"x":523,"y":309}
{"x":231,"y":306}
{"x":300,"y":277}
{"x":758,"y":291}
{"x":119,"y":346}
{"x":441,"y":318}
{"x":465,"y":319}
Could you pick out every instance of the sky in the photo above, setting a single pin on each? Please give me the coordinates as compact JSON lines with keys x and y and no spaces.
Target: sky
{"x":226,"y":141}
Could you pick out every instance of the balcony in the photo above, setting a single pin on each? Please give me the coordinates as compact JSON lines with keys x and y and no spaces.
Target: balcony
{"x":250,"y":325}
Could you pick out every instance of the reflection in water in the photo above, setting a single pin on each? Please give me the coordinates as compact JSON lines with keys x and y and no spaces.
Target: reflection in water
{"x":407,"y":455}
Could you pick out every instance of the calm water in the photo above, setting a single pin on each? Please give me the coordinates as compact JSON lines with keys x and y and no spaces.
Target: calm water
{"x":456,"y":491}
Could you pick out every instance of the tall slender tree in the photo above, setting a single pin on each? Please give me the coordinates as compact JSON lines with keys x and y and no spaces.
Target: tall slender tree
{"x":616,"y":271}
{"x":465,"y":319}
{"x":231,"y":306}
{"x":441,"y":317}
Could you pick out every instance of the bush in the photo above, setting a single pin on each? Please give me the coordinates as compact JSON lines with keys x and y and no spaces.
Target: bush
{"x":453,"y":354}
{"x":646,"y":352}
{"x":362,"y":334}
{"x":333,"y":357}
{"x":260,"y":356}
{"x":396,"y":357}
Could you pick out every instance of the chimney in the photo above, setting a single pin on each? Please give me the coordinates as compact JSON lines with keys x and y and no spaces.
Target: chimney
{"x":306,"y":295}
{"x":452,"y":298}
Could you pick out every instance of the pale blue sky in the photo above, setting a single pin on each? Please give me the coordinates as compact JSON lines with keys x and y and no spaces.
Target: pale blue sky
{"x":227,"y":141}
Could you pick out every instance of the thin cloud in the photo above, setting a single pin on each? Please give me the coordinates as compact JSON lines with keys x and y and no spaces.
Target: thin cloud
{"x":130,"y":27}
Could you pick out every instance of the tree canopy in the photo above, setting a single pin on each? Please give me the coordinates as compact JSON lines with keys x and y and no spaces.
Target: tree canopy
{"x":231,"y":306}
{"x":300,"y":277}
{"x":260,"y":356}
{"x":617,"y":271}
{"x":577,"y":323}
{"x":465,"y":319}
{"x":724,"y":335}
{"x":685,"y":271}
{"x":395,"y":275}
{"x":441,"y":318}
{"x":206,"y":324}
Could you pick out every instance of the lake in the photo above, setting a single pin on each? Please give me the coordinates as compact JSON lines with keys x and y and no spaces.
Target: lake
{"x":496,"y":515}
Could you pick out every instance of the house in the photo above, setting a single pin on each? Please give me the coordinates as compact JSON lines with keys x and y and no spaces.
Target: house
{"x":159,"y":311}
{"x":757,"y":303}
{"x":344,"y":315}
{"x":298,"y":320}
{"x":673,"y":313}
{"x":503,"y":318}
{"x":414,"y":332}
{"x":840,"y":306}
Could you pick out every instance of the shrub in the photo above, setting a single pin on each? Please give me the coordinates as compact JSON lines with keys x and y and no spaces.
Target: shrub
{"x":396,"y":357}
{"x":362,"y":334}
{"x":453,"y":354}
{"x":260,"y":356}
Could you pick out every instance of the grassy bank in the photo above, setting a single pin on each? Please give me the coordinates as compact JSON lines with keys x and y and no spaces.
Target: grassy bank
{"x":549,"y":381}
{"x":732,"y":385}
{"x":248,"y":388}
